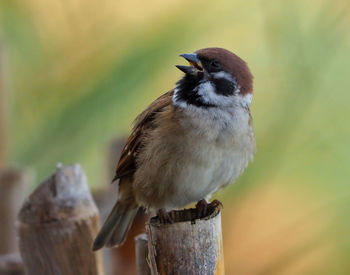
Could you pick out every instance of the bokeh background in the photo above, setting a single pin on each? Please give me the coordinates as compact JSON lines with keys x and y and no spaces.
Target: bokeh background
{"x":74,"y":74}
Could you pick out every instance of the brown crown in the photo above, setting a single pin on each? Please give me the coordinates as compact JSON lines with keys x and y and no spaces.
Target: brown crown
{"x":232,"y":64}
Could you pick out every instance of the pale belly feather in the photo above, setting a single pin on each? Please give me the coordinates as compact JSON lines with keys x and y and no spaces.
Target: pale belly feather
{"x":209,"y":156}
{"x":205,"y":172}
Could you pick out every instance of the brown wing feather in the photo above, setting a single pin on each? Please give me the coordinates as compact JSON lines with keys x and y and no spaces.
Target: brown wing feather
{"x":127,"y":163}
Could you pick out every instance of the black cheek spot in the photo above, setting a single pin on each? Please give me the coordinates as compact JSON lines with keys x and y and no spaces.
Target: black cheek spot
{"x":186,"y":91}
{"x":224,"y":86}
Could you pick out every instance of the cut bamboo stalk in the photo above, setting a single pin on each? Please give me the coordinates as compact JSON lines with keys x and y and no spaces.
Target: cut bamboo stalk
{"x":118,"y":260}
{"x":11,"y":264}
{"x":14,"y":184}
{"x":141,"y":246}
{"x":187,"y":246}
{"x":57,"y":225}
{"x":3,"y":106}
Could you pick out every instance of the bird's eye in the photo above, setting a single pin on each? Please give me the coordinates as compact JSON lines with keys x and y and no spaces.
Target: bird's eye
{"x":215,"y":64}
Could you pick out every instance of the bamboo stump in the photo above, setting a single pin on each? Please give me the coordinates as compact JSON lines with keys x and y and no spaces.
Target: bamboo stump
{"x":14,"y":184}
{"x":141,"y":246}
{"x":187,"y":246}
{"x":118,"y":260}
{"x":11,"y":264}
{"x":57,"y":225}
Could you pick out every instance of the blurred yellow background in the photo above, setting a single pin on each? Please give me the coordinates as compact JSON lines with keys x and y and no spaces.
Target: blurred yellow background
{"x":76,"y":73}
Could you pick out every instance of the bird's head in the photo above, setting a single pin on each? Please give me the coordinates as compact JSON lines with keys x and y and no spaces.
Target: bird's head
{"x":215,"y":78}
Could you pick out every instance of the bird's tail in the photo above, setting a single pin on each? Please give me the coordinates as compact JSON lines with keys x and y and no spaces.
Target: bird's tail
{"x":116,"y":226}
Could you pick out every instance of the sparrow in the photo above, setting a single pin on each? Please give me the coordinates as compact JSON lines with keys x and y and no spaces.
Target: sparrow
{"x":189,"y":143}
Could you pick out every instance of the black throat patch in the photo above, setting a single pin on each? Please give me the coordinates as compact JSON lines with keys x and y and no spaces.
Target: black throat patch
{"x":224,"y":86}
{"x":186,"y":91}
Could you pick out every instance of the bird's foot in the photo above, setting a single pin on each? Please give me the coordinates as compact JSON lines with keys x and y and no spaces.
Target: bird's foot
{"x":214,"y":204}
{"x":164,"y":216}
{"x":203,"y":207}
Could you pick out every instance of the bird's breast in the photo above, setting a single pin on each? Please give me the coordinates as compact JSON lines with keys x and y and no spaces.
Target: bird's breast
{"x":181,"y":166}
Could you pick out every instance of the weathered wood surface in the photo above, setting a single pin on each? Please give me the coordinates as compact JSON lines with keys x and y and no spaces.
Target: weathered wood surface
{"x":141,"y":247}
{"x":3,"y":104}
{"x":11,"y":264}
{"x":187,"y":246}
{"x":14,"y":184}
{"x":118,"y":260}
{"x":57,"y":225}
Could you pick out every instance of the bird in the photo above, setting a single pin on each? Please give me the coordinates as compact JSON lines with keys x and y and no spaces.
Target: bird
{"x":186,"y":145}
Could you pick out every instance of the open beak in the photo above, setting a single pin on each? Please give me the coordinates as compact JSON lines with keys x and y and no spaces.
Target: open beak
{"x":194,"y":62}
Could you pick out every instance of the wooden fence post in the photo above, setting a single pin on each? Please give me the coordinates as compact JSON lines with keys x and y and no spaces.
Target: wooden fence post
{"x":141,"y":247}
{"x":57,"y":225}
{"x":14,"y":184}
{"x":3,"y":105}
{"x":187,"y":246}
{"x":118,"y":260}
{"x":11,"y":264}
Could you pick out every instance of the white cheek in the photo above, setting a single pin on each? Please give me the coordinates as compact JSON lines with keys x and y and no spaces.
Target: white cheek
{"x":246,"y":100}
{"x":224,"y":75}
{"x":206,"y":91}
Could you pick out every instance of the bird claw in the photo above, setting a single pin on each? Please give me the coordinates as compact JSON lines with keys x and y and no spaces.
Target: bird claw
{"x":204,"y":208}
{"x":214,"y":204}
{"x":164,"y":217}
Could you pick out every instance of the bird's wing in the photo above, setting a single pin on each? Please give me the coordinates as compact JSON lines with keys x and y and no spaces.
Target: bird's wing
{"x":127,"y":163}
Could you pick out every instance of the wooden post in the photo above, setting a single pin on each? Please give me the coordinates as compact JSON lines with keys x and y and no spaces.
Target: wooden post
{"x":118,"y":260}
{"x":14,"y":184}
{"x":187,"y":246}
{"x":141,"y":246}
{"x":57,"y":225}
{"x":11,"y":264}
{"x":3,"y":107}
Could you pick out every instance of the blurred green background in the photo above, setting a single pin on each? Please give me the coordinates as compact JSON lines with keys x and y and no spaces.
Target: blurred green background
{"x":74,"y":74}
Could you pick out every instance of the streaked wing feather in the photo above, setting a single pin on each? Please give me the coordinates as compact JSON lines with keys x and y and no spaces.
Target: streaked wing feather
{"x":127,"y":163}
